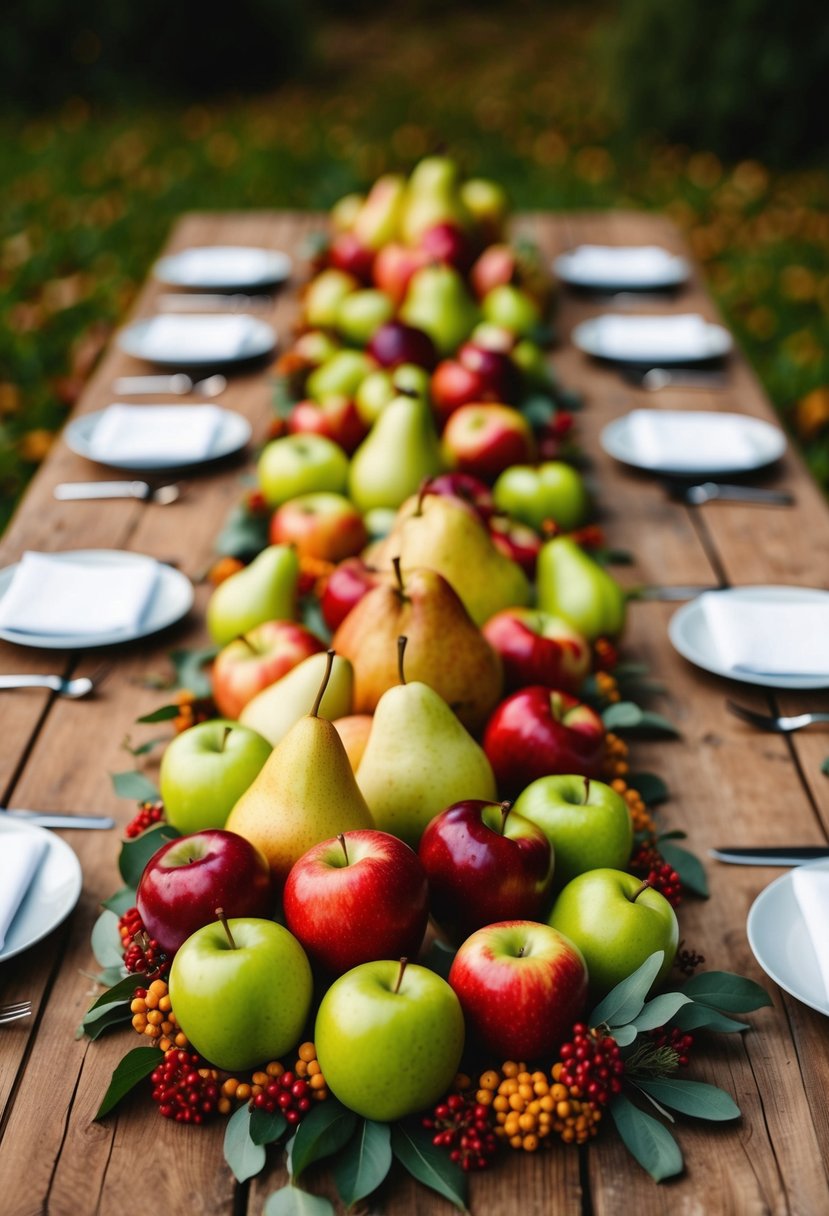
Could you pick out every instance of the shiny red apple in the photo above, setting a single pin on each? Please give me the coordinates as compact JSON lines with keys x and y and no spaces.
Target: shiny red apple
{"x":486,"y":439}
{"x":446,"y":242}
{"x":345,"y":586}
{"x":394,"y":266}
{"x":395,"y":343}
{"x":453,"y":385}
{"x":348,"y":253}
{"x":537,"y":732}
{"x":337,"y":418}
{"x":256,"y":660}
{"x":537,"y":648}
{"x":500,"y":376}
{"x":324,"y":525}
{"x":517,"y":541}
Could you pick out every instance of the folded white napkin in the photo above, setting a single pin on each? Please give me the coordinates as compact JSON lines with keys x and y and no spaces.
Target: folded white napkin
{"x":623,"y":263}
{"x":811,"y":890}
{"x":768,"y":637}
{"x":20,"y":856}
{"x":186,"y":338}
{"x":222,"y":264}
{"x":155,"y":432}
{"x":691,"y":440}
{"x":50,"y":594}
{"x":683,"y":336}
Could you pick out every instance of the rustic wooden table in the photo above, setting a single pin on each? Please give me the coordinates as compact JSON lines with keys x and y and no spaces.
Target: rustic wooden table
{"x":729,"y":784}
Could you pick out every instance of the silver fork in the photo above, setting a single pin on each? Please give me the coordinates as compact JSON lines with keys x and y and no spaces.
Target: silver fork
{"x":13,"y":1013}
{"x":778,"y":724}
{"x":79,"y":686}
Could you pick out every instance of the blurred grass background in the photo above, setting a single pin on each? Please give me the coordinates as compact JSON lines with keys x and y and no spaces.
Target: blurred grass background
{"x":569,"y":105}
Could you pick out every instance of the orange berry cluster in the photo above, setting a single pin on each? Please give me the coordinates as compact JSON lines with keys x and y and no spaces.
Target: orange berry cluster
{"x":576,"y":1120}
{"x":642,"y":819}
{"x":192,"y":709}
{"x":152,"y":1016}
{"x":607,"y":687}
{"x":529,"y":1107}
{"x":305,"y":1072}
{"x":222,"y":569}
{"x":616,"y":756}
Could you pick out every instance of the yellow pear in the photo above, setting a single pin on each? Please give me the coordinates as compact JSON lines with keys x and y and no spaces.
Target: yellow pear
{"x":274,"y":710}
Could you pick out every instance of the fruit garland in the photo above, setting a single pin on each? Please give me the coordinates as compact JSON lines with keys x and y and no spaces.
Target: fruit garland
{"x":422,"y":316}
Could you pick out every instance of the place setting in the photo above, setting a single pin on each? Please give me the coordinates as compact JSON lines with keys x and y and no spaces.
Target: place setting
{"x":40,"y":884}
{"x":630,"y":269}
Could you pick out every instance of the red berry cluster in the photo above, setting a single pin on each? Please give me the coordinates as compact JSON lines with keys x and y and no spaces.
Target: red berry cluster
{"x":465,"y":1127}
{"x":142,"y":953}
{"x":648,"y":862}
{"x":674,"y":1038}
{"x":289,"y":1094}
{"x":149,"y":814}
{"x":605,"y":655}
{"x":593,"y":1064}
{"x":183,"y":1091}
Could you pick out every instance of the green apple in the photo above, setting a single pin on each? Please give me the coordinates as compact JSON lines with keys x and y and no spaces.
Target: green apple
{"x":206,"y":769}
{"x":324,"y":295}
{"x":263,"y":591}
{"x":405,"y":1017}
{"x":339,"y":376}
{"x":512,"y":309}
{"x":361,"y":314}
{"x":244,"y":997}
{"x":533,"y":363}
{"x":534,"y":494}
{"x":587,"y":823}
{"x":617,"y":921}
{"x":573,"y":585}
{"x":301,"y":464}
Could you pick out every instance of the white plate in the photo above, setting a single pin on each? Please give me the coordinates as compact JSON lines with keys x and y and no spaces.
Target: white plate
{"x":689,"y":634}
{"x":224,"y":268}
{"x":234,"y":432}
{"x":768,"y":443}
{"x":192,"y":340}
{"x":780,"y":941}
{"x":53,"y":894}
{"x":172,"y":599}
{"x":715,"y":343}
{"x":660,"y":272}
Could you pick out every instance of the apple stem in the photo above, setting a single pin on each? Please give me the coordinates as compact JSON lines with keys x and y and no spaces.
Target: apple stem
{"x":243,"y":637}
{"x":506,"y":807}
{"x":225,"y":734}
{"x":341,"y":839}
{"x":398,"y":573}
{"x":401,"y":650}
{"x":220,"y":915}
{"x":633,"y":898}
{"x":586,"y":790}
{"x":404,"y":962}
{"x":315,"y":708}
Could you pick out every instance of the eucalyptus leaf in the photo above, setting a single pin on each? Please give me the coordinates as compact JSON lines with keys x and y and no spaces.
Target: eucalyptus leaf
{"x":624,"y":1035}
{"x":121,"y":901}
{"x":119,"y":994}
{"x":244,"y":1157}
{"x":136,"y":853}
{"x":413,"y":1148}
{"x":266,"y":1127}
{"x":191,"y":668}
{"x":291,"y":1200}
{"x":136,"y":1065}
{"x":692,"y":1098}
{"x":364,"y":1162}
{"x":624,"y":715}
{"x":660,"y":1010}
{"x":688,"y":866}
{"x":114,"y":1015}
{"x":726,"y":991}
{"x":134,"y":785}
{"x":539,"y":409}
{"x":165,"y":714}
{"x":109,"y":976}
{"x":310,"y":614}
{"x":623,"y":1003}
{"x":324,"y":1130}
{"x":663,"y":1111}
{"x":824,"y":768}
{"x":652,"y":789}
{"x":702,"y":1017}
{"x":106,"y":940}
{"x":651,"y":1144}
{"x":657,"y":722}
{"x":244,"y":533}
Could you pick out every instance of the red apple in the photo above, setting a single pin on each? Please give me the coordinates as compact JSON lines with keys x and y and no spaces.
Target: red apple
{"x":537,"y":648}
{"x":188,"y":879}
{"x":453,"y":385}
{"x":323,"y":525}
{"x":485,"y":864}
{"x":486,"y":439}
{"x":258,"y":659}
{"x":517,"y":541}
{"x":500,"y":376}
{"x":521,"y":988}
{"x":394,"y":266}
{"x":347,"y":252}
{"x":356,"y":898}
{"x":395,"y":343}
{"x":345,"y":587}
{"x":446,"y":242}
{"x":337,"y":418}
{"x":519,"y":265}
{"x":470,"y":490}
{"x":537,"y":732}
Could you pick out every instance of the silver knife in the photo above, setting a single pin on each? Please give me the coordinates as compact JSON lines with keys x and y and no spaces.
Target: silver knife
{"x":783,"y":855}
{"x":46,"y":819}
{"x":709,"y":490}
{"x":71,"y":491}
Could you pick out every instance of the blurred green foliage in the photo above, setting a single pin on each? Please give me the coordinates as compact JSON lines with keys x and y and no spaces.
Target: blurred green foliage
{"x":89,"y":196}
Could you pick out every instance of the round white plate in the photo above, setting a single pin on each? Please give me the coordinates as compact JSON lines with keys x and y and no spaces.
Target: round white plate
{"x":716,"y":342}
{"x":233,"y":433}
{"x":662,"y":273}
{"x":224,"y":268}
{"x":768,"y":442}
{"x":689,"y":634}
{"x":172,"y":599}
{"x":780,"y":941}
{"x":191,"y":345}
{"x":53,"y":894}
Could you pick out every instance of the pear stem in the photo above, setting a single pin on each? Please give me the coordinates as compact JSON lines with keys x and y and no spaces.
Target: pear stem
{"x":506,"y":807}
{"x":421,"y":494}
{"x":225,"y":734}
{"x":341,"y":839}
{"x":633,"y":898}
{"x":401,"y":650}
{"x":315,"y":708}
{"x":220,"y":915}
{"x":404,"y":962}
{"x":398,"y":573}
{"x":586,"y":790}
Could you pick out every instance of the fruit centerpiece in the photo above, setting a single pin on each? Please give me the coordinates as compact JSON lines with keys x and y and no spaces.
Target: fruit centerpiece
{"x":400,"y":894}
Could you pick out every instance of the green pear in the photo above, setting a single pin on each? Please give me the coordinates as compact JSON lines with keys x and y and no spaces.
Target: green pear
{"x":446,"y":535}
{"x":571,"y":584}
{"x":433,"y":196}
{"x":419,"y":759}
{"x":274,"y":710}
{"x":322,"y":299}
{"x":511,"y":308}
{"x":488,"y":204}
{"x":378,"y":220}
{"x":340,"y":375}
{"x":264,"y":591}
{"x":437,"y":301}
{"x":304,"y":793}
{"x":399,"y":451}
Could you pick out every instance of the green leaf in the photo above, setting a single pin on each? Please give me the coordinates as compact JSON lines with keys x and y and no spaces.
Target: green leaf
{"x":106,"y":940}
{"x":119,"y":994}
{"x":267,"y":1127}
{"x":290,"y":1200}
{"x":692,"y":1098}
{"x":136,"y":853}
{"x":109,"y":976}
{"x":244,"y":533}
{"x":413,"y":1148}
{"x":165,"y":714}
{"x":244,"y":1157}
{"x":660,"y":1010}
{"x":727,"y":991}
{"x":364,"y":1163}
{"x":136,"y":1065}
{"x":121,"y":901}
{"x":652,"y":788}
{"x":323,"y":1131}
{"x":824,"y":768}
{"x":702,"y":1017}
{"x":624,"y":1035}
{"x":624,"y":1002}
{"x":688,"y":866}
{"x":115,"y":1015}
{"x":651,"y":1144}
{"x":134,"y":785}
{"x":627,"y":715}
{"x":190,"y":668}
{"x":310,"y":614}
{"x":538,"y":409}
{"x":142,"y":749}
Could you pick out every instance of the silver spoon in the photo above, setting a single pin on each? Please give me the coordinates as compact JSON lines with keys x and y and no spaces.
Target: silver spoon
{"x":81,"y":686}
{"x":662,"y":377}
{"x":179,"y":385}
{"x":73,"y":491}
{"x":777,"y":723}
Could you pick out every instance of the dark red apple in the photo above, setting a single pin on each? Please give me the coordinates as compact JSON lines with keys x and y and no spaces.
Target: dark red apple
{"x":345,"y":587}
{"x":337,"y":418}
{"x":537,"y":648}
{"x":484,"y":864}
{"x":500,"y":376}
{"x":188,"y":879}
{"x":517,"y":541}
{"x":348,"y":253}
{"x":537,"y":732}
{"x":446,"y":242}
{"x":256,"y":660}
{"x":395,"y":343}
